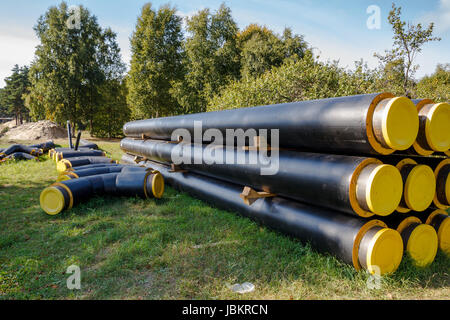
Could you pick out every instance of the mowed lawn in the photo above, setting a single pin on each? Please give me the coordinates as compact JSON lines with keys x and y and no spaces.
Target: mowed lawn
{"x":173,"y":248}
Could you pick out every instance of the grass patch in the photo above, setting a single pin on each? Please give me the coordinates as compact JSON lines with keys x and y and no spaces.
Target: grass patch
{"x":174,"y":248}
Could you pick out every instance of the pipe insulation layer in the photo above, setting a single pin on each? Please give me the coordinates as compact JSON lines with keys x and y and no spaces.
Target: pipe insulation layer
{"x":64,"y":164}
{"x":434,"y":124}
{"x":79,"y":153}
{"x":75,"y":174}
{"x":63,"y":195}
{"x":363,"y":243}
{"x":356,"y":185}
{"x":369,"y":123}
{"x":420,"y":240}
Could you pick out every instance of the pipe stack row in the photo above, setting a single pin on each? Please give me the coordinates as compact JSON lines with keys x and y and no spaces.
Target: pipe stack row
{"x":85,"y":172}
{"x":25,"y":152}
{"x":343,"y":174}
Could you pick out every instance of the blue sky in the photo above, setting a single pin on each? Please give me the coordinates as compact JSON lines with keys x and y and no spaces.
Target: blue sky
{"x":335,"y":28}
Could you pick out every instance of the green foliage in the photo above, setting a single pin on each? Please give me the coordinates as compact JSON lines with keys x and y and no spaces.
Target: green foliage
{"x":295,"y":80}
{"x":397,"y":65}
{"x":112,"y":111}
{"x":211,"y":58}
{"x":12,"y":95}
{"x":437,"y":85}
{"x":261,"y":49}
{"x":156,"y":47}
{"x":70,"y":66}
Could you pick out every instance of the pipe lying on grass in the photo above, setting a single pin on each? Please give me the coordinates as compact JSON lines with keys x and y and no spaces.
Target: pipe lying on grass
{"x":434,"y":124}
{"x":79,"y":153}
{"x":20,"y":156}
{"x":361,"y":124}
{"x":356,"y":185}
{"x":65,"y":164}
{"x":75,"y":174}
{"x":367,"y":244}
{"x":63,"y":195}
{"x":420,"y":240}
{"x":88,"y":166}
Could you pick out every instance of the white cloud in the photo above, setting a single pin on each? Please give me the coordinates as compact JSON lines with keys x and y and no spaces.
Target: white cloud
{"x":440,"y":17}
{"x":15,"y":49}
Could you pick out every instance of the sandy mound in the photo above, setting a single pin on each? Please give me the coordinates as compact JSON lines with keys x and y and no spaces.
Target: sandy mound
{"x":44,"y":129}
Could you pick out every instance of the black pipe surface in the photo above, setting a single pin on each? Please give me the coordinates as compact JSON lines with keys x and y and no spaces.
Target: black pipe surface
{"x":354,"y":124}
{"x":333,"y":181}
{"x":326,"y":230}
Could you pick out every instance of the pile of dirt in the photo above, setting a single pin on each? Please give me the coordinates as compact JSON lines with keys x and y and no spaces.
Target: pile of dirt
{"x":44,"y":129}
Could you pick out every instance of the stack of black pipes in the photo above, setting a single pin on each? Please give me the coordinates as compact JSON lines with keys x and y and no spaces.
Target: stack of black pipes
{"x":329,"y":172}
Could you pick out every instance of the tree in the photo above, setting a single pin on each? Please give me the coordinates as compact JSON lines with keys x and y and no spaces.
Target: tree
{"x":398,"y":64}
{"x":437,"y":85}
{"x":211,"y":58}
{"x":70,"y":65}
{"x":156,"y":62}
{"x":261,"y":49}
{"x":12,"y":98}
{"x":295,"y":80}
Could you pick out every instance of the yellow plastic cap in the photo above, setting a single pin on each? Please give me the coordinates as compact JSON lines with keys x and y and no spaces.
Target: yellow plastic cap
{"x":52,"y":200}
{"x":400,"y":123}
{"x":63,"y":177}
{"x":157,"y":185}
{"x":422,"y":245}
{"x":61,"y":166}
{"x":420,"y":188}
{"x":443,"y":235}
{"x":437,"y":127}
{"x":384,"y":189}
{"x":384,"y":252}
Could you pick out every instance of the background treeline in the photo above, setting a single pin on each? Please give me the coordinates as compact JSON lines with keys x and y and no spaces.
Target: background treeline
{"x":200,"y":63}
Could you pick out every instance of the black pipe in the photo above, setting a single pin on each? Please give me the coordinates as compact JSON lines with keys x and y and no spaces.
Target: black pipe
{"x":77,"y":142}
{"x":22,"y":148}
{"x":79,"y":153}
{"x":20,"y":156}
{"x":420,"y":240}
{"x":63,"y":195}
{"x":344,"y":236}
{"x":69,"y":134}
{"x":92,"y":165}
{"x":355,"y":185}
{"x":434,"y":121}
{"x":45,"y":146}
{"x":361,"y":124}
{"x":88,"y":144}
{"x":75,"y":174}
{"x":65,"y":164}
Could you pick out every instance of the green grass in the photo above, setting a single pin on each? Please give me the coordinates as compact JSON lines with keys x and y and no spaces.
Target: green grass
{"x":173,"y":248}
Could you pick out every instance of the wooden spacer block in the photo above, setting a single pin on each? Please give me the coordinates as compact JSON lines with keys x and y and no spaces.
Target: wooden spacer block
{"x":250,"y":195}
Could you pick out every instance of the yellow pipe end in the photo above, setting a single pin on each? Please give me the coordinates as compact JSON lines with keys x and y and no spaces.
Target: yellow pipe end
{"x":420,"y":187}
{"x":52,"y":200}
{"x":384,"y":189}
{"x":385,"y":252}
{"x":422,"y":245}
{"x":443,"y":235}
{"x":437,"y":127}
{"x":400,"y":123}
